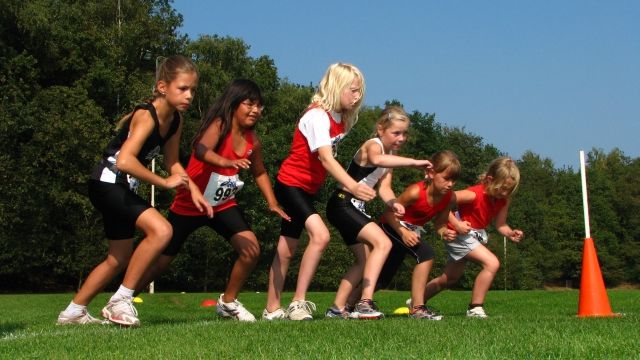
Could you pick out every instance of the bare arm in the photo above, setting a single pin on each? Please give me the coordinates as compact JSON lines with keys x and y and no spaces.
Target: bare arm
{"x":204,"y":149}
{"x":502,"y":226}
{"x":373,"y":155}
{"x":263,"y":182}
{"x":334,"y":168}
{"x":407,"y":198}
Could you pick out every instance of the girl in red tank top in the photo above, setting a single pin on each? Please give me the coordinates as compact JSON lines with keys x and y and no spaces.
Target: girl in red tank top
{"x":478,"y":206}
{"x":224,"y":145}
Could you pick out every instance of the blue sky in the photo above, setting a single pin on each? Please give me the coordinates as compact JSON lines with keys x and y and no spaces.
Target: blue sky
{"x":553,"y":77}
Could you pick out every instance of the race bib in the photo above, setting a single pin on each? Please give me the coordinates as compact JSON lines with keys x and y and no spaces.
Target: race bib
{"x":359,"y":204}
{"x":480,"y":235}
{"x":222,"y":188}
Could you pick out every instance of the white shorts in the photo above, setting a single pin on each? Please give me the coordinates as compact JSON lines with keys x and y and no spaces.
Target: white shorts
{"x":465,"y":243}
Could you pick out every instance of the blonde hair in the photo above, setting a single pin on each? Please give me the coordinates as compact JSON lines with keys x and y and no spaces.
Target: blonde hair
{"x":338,"y":77}
{"x":167,"y":71}
{"x":500,"y":170}
{"x":389,"y":114}
{"x":446,"y":160}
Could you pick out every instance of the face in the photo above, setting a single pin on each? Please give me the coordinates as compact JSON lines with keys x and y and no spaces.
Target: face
{"x":351,"y":95}
{"x":395,"y":135}
{"x":248,"y":113}
{"x":505,"y":190}
{"x":180,"y":92}
{"x":442,"y":182}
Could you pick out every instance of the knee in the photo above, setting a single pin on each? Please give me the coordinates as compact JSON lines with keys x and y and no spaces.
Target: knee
{"x":320,"y":239}
{"x":160,"y":234}
{"x":385,"y":245}
{"x":250,"y":252}
{"x":117,"y":262}
{"x":493,"y":266}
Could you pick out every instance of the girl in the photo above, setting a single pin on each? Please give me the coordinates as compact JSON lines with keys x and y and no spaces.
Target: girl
{"x":330,"y":116}
{"x":478,"y":205}
{"x":143,"y":133}
{"x":422,"y":201}
{"x":225,"y":144}
{"x":371,"y":166}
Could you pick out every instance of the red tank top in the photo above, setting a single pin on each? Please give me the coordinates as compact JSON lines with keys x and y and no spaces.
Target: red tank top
{"x":302,"y":168}
{"x":420,"y":212}
{"x":481,"y":211}
{"x":204,"y":174}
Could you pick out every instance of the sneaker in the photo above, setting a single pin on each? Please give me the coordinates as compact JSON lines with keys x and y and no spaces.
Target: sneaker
{"x":301,"y":310}
{"x":277,"y":314}
{"x":424,"y":312}
{"x":335,"y":313}
{"x":234,"y":310}
{"x":366,"y":310}
{"x":477,"y":312}
{"x":83,"y":318}
{"x":121,"y":312}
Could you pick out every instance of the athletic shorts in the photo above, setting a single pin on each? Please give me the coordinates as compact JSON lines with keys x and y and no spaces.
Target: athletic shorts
{"x":345,"y":217}
{"x":226,"y":223}
{"x":120,"y":208}
{"x":298,"y":204}
{"x":421,"y":253}
{"x":465,"y":243}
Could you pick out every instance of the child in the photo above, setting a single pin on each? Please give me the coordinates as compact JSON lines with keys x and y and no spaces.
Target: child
{"x":422,"y":201}
{"x":478,"y":205}
{"x":370,"y":165}
{"x":143,"y":133}
{"x":225,"y":144}
{"x":330,"y":116}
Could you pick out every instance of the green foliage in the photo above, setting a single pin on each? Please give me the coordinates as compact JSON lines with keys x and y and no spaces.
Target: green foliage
{"x":69,"y":70}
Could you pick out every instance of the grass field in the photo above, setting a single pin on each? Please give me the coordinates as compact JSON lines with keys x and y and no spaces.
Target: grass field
{"x":522,"y":325}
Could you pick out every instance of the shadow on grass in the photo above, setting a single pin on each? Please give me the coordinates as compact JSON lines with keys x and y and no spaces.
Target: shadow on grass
{"x":8,"y":328}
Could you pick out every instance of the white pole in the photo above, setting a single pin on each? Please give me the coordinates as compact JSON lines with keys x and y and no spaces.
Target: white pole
{"x":585,"y":202}
{"x":153,"y":204}
{"x":504,"y":239}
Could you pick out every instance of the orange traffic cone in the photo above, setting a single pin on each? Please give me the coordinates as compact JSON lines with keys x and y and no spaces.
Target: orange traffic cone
{"x":593,"y":296}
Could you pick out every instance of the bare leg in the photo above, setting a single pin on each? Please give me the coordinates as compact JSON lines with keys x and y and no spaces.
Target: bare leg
{"x":419,"y":282}
{"x":352,"y":277}
{"x":246,"y":245}
{"x":318,"y":241}
{"x":379,"y":246}
{"x":117,"y":259}
{"x":158,"y":233}
{"x":452,"y":272}
{"x":490,"y":265}
{"x":284,"y":253}
{"x":155,"y":270}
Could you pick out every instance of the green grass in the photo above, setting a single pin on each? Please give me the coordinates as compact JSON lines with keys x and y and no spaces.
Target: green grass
{"x":522,"y":324}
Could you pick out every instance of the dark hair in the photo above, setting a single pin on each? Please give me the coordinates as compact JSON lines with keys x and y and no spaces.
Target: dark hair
{"x":225,"y":106}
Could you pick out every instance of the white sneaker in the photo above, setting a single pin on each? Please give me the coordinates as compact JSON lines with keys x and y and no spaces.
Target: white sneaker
{"x":121,"y":312}
{"x":277,"y":314}
{"x":301,"y":310}
{"x":83,"y":318}
{"x":234,"y":310}
{"x":477,"y":312}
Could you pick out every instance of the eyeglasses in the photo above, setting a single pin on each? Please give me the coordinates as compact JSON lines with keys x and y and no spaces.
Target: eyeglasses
{"x":253,"y":105}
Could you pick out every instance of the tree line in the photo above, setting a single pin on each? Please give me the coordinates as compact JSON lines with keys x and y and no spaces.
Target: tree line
{"x":69,"y":70}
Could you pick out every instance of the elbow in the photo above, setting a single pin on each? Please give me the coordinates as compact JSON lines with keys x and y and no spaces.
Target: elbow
{"x":122,"y":163}
{"x":199,"y":152}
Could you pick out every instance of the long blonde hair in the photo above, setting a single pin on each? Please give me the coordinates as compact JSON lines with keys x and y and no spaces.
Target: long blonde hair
{"x":168,"y":70}
{"x":338,"y":77}
{"x":500,"y":170}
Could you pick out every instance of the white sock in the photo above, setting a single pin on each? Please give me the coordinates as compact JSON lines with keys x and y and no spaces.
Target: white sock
{"x":123,"y":293}
{"x":75,"y":309}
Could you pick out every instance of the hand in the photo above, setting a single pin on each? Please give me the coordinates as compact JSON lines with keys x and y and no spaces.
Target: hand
{"x":240,"y":163}
{"x":363,"y":192}
{"x":449,"y":235}
{"x":176,"y":180}
{"x":278,"y":211}
{"x":410,"y":238}
{"x":398,"y":210}
{"x":426,"y":164}
{"x":202,"y":204}
{"x":463,"y":227}
{"x":516,"y":236}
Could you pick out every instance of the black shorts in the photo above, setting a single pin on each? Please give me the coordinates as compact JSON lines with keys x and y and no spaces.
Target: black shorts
{"x":345,"y":217}
{"x":421,"y":253}
{"x":120,"y":208}
{"x":298,"y":204}
{"x":226,"y":223}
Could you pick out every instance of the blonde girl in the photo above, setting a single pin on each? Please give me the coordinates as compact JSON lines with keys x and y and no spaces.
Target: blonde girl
{"x":371,"y":165}
{"x":333,"y":111}
{"x":478,"y":206}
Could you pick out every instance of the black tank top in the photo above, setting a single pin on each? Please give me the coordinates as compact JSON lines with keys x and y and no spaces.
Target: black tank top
{"x":106,"y":170}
